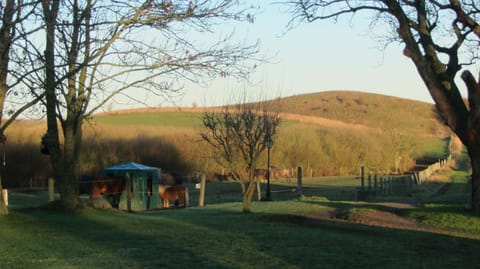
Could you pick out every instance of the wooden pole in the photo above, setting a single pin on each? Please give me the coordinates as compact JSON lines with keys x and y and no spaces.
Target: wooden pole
{"x":299,"y":181}
{"x":369,"y":183}
{"x":129,"y":191}
{"x":201,"y":198}
{"x":5,"y":197}
{"x":51,"y":189}
{"x":381,"y":186}
{"x":362,"y":178}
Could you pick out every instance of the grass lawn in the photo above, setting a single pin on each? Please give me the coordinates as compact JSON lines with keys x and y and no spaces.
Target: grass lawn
{"x":285,"y":233}
{"x":280,"y":234}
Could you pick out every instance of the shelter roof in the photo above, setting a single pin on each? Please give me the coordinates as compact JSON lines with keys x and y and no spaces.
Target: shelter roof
{"x":130,"y":166}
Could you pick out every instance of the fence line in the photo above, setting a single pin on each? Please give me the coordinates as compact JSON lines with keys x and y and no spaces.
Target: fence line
{"x":399,"y":184}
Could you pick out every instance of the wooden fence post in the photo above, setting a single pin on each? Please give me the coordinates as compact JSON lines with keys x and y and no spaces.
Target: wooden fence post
{"x":392,"y":182}
{"x":51,"y":189}
{"x":5,"y":197}
{"x":362,"y":177}
{"x":381,"y":185}
{"x":385,"y":185}
{"x":201,"y":198}
{"x":369,"y":183}
{"x":299,"y":181}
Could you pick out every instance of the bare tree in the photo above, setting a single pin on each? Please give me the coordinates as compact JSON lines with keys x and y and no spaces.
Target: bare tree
{"x":441,"y":37}
{"x":238,"y":136}
{"x":95,"y":50}
{"x":15,"y":94}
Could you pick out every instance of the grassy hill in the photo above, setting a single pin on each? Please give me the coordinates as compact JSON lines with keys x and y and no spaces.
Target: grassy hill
{"x":372,"y":110}
{"x":341,"y":108}
{"x":328,"y":133}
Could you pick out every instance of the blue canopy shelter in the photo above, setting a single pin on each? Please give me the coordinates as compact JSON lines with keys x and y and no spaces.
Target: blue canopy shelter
{"x":141,"y":191}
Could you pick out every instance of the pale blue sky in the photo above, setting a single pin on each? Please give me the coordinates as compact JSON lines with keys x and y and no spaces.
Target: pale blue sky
{"x":315,"y":57}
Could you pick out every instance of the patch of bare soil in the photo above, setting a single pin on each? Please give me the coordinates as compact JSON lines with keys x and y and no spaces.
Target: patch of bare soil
{"x":371,"y":214}
{"x":387,"y":216}
{"x":373,"y":217}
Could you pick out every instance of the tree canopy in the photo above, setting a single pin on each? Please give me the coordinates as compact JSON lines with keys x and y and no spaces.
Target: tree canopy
{"x":238,"y":135}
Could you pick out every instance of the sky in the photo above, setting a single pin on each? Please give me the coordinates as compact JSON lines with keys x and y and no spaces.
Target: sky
{"x":310,"y":58}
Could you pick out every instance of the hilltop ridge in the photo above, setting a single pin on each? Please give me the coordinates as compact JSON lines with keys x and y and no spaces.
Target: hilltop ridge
{"x":339,"y":108}
{"x":365,"y":109}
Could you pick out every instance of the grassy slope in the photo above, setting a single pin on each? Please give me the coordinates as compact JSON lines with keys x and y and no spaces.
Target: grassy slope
{"x":345,"y":110}
{"x":368,"y":109}
{"x":371,"y":110}
{"x":336,"y":109}
{"x":165,"y":119}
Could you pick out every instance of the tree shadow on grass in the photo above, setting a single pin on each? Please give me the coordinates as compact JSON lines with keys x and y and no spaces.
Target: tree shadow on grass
{"x":110,"y":238}
{"x":220,"y":238}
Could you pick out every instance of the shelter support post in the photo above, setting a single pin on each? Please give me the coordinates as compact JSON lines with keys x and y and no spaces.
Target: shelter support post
{"x":203,"y":182}
{"x":129,"y":191}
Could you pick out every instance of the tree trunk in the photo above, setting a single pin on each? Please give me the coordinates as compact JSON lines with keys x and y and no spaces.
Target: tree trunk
{"x":68,"y":187}
{"x":259,"y":190}
{"x":242,"y":185}
{"x":5,"y":45}
{"x":247,"y":197}
{"x":474,"y":153}
{"x":63,"y":162}
{"x":472,"y":144}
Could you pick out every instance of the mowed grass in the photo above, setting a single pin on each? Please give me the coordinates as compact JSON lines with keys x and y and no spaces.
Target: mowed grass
{"x":284,"y":233}
{"x":279,"y":234}
{"x":447,"y":208}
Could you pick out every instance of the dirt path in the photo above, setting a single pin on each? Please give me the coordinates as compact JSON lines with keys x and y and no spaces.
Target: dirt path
{"x":385,"y":215}
{"x":387,"y":218}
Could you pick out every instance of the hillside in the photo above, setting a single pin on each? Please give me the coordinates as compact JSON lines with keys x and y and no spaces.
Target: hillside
{"x":328,"y":133}
{"x":332,"y":108}
{"x":371,"y":110}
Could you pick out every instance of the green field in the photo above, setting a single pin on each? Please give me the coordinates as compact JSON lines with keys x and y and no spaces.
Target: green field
{"x":165,"y":119}
{"x":279,"y":235}
{"x":289,"y":232}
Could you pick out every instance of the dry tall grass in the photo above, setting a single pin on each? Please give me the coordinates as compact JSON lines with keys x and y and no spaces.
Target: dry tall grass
{"x":324,"y":142}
